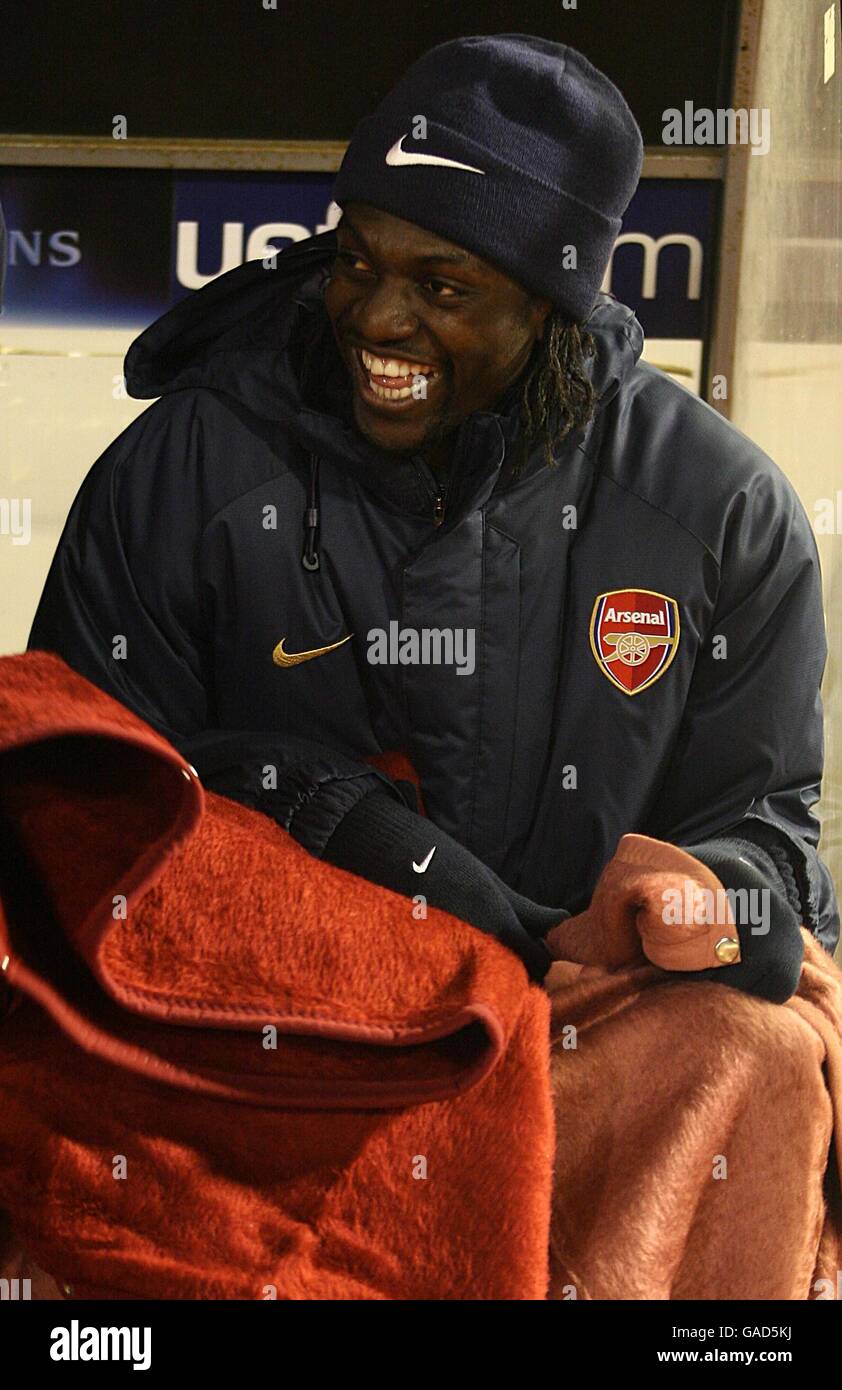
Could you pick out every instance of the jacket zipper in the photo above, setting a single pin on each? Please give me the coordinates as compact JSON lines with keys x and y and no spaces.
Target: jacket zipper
{"x":436,"y":493}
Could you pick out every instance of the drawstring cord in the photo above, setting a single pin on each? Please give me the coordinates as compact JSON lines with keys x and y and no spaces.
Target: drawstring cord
{"x":310,"y":557}
{"x":310,"y":554}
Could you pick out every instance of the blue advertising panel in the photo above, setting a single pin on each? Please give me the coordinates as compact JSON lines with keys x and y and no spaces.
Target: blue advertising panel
{"x":114,"y":248}
{"x":662,"y":264}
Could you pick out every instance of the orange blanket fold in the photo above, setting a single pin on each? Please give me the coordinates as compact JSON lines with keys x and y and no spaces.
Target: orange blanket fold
{"x":311,"y":1091}
{"x":709,"y":1165}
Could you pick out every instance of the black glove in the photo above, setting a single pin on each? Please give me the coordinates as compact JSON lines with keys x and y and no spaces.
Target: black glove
{"x":379,"y":839}
{"x":771,"y":948}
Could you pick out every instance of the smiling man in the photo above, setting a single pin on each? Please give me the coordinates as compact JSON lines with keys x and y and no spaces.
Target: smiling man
{"x":431,"y":421}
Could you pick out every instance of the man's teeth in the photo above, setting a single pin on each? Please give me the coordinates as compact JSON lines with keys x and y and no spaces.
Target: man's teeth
{"x":394,"y":368}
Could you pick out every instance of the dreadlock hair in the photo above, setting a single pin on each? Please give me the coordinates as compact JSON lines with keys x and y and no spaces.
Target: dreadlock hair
{"x":557,"y":395}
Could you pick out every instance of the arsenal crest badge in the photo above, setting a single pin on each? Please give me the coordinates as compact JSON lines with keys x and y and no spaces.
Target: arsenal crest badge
{"x":634,"y":637}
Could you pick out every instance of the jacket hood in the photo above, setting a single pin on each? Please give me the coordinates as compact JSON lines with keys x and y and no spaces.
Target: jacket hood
{"x":240,"y":335}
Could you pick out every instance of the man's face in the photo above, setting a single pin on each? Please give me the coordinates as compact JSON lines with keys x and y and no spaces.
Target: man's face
{"x":405,"y":303}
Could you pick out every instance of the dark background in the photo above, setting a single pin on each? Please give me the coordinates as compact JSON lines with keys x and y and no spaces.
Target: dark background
{"x":228,"y":69}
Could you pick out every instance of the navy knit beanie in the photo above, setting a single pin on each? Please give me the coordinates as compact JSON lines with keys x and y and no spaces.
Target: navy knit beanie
{"x":524,"y":149}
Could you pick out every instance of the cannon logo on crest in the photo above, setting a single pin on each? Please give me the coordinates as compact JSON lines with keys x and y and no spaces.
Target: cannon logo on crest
{"x":634,"y":637}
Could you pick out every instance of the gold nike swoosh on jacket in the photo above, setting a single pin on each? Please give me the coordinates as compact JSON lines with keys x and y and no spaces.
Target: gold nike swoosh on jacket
{"x":282,"y":658}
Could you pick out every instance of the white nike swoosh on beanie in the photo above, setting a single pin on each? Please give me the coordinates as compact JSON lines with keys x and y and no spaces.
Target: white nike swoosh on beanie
{"x":398,"y":155}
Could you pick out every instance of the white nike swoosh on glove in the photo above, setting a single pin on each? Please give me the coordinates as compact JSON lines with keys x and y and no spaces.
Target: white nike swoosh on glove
{"x":422,"y":867}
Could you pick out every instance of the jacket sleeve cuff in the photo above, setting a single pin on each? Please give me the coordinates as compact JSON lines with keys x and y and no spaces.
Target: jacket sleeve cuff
{"x":771,"y":861}
{"x":769,"y":929}
{"x":310,"y":804}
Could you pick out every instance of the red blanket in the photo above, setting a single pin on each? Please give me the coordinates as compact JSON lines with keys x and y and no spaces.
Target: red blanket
{"x":231,"y":1070}
{"x":398,"y":1140}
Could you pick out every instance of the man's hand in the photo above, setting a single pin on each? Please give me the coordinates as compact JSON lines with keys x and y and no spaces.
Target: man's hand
{"x":656,"y":902}
{"x":382,"y":840}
